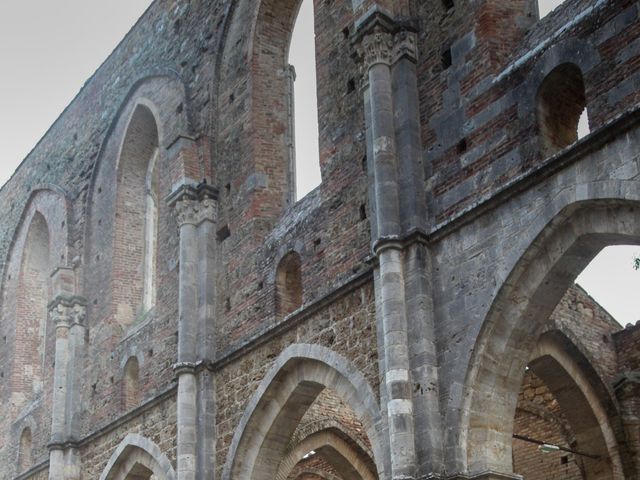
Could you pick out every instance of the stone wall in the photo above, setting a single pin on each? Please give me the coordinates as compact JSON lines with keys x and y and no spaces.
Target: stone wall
{"x":437,"y":310}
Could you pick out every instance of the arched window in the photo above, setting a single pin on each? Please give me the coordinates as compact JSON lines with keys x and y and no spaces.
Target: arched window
{"x":131,"y":383}
{"x":136,"y":219}
{"x":31,"y":311}
{"x":560,"y":103}
{"x":305,"y":156}
{"x":288,"y":284}
{"x":24,"y":450}
{"x":278,"y":114}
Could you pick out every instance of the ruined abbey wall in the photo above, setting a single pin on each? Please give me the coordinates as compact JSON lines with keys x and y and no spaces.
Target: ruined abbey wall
{"x":170,"y":309}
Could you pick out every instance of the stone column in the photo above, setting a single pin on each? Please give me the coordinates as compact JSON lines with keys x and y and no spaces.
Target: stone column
{"x":193,"y":207}
{"x":377,"y":47}
{"x":66,"y":313}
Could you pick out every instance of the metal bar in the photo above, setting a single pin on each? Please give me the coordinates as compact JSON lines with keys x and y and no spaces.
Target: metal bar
{"x":564,"y":449}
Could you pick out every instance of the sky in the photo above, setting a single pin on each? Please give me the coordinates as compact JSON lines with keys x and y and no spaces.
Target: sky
{"x":48,"y":49}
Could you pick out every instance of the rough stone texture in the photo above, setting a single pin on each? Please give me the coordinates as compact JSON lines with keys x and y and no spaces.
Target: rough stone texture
{"x":433,"y":258}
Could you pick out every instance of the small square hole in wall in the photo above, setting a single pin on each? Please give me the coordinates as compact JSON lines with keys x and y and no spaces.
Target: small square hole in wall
{"x":448,"y":4}
{"x":564,"y":460}
{"x":351,"y":85}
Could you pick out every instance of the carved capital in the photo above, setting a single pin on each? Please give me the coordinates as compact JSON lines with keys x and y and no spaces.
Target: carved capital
{"x":68,"y":311}
{"x":405,"y":46}
{"x":377,"y":48}
{"x":194,"y":205}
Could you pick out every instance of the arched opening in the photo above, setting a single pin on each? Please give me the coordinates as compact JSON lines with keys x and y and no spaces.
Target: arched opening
{"x":560,"y":103}
{"x":136,"y":229}
{"x":273,"y":437}
{"x":288,"y":284}
{"x":507,"y":344}
{"x":305,"y":158}
{"x":275,"y":106}
{"x":24,"y":451}
{"x":131,"y":384}
{"x":561,"y":425}
{"x":138,"y":458}
{"x":331,"y":451}
{"x":31,"y":312}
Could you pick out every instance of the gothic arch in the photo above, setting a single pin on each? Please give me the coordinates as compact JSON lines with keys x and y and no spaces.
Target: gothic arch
{"x":138,"y":457}
{"x":351,"y":462}
{"x":40,"y":245}
{"x":518,"y":313}
{"x":139,"y":155}
{"x":299,"y":374}
{"x":554,"y":360}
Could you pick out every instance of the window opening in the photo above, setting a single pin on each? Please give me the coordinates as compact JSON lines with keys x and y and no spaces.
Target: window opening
{"x":560,"y":103}
{"x":288,"y":284}
{"x":137,"y":219}
{"x":24,"y":452}
{"x":304,"y":146}
{"x":131,"y":383}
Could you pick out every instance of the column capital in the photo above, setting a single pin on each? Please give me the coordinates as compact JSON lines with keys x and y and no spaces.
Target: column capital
{"x":383,"y":39}
{"x":67,"y":311}
{"x":194,"y":204}
{"x":377,"y":47}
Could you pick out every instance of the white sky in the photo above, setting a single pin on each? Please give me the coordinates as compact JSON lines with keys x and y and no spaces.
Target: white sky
{"x":48,"y":49}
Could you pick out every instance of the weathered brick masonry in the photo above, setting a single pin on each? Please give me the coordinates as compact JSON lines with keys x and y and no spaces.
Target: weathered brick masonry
{"x":170,"y":310}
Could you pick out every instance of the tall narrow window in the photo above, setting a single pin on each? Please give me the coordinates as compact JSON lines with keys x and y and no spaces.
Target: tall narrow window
{"x":31,"y":314}
{"x":24,"y":450}
{"x":288,"y":284}
{"x":304,"y":151}
{"x":560,"y":103}
{"x":131,"y":384}
{"x":136,"y":223}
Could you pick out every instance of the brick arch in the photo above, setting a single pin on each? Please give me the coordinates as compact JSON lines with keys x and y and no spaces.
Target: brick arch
{"x":348,"y":461}
{"x":298,"y":376}
{"x":584,"y":400}
{"x":518,"y":313}
{"x":137,"y":458}
{"x":156,"y":108}
{"x":39,"y":246}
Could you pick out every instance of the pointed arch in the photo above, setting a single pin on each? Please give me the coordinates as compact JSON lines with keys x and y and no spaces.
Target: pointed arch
{"x":39,"y":246}
{"x":297,"y":377}
{"x":135,"y":458}
{"x":141,"y":156}
{"x":583,"y":399}
{"x":136,"y":219}
{"x":518,"y":313}
{"x":348,"y":460}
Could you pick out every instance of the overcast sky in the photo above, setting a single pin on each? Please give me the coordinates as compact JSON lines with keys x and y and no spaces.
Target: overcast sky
{"x":49,"y":48}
